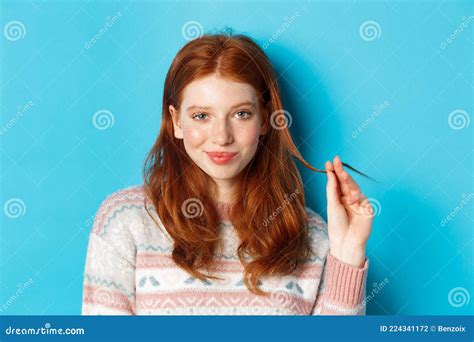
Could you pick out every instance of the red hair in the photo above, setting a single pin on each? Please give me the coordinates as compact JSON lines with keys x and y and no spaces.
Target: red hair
{"x":171,"y":177}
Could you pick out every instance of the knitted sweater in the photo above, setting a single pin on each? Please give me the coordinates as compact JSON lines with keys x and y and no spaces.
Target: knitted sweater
{"x":129,"y":271}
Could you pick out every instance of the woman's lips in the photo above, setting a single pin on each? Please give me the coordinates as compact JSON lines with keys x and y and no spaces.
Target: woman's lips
{"x":221,"y":158}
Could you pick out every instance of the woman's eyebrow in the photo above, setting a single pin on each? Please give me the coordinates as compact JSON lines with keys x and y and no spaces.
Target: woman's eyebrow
{"x":247,"y":103}
{"x":196,"y":107}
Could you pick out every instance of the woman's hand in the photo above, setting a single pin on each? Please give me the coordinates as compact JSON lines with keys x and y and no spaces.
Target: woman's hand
{"x":350,"y":216}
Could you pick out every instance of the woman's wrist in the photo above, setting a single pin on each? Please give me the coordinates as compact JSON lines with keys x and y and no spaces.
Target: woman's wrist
{"x":354,"y":255}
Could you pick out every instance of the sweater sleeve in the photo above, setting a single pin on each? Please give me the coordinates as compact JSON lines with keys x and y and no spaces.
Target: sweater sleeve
{"x":342,"y":286}
{"x":109,"y":275}
{"x":342,"y":289}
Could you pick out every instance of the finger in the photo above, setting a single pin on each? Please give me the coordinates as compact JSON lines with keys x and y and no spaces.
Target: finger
{"x":363,"y":209}
{"x":353,"y":199}
{"x":339,"y":172}
{"x":366,"y":208}
{"x":336,"y":180}
{"x":358,"y":198}
{"x":349,"y":183}
{"x":346,"y":201}
{"x":332,"y":187}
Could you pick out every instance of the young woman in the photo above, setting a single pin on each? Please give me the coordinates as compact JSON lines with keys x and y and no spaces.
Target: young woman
{"x":220,"y":226}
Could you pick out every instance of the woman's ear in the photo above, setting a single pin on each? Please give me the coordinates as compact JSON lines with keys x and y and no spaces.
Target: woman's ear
{"x":178,"y":132}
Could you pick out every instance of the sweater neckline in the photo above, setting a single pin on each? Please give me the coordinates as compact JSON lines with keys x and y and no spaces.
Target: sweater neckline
{"x":223,"y":209}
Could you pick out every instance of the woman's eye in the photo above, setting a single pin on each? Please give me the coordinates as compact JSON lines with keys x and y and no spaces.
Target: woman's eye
{"x":199,"y":116}
{"x":245,"y":114}
{"x":202,"y":116}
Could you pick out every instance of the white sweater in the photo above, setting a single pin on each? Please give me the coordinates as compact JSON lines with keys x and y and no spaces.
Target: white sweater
{"x":129,"y":271}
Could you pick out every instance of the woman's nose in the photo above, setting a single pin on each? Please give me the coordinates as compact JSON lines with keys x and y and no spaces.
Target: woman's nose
{"x":221,"y":132}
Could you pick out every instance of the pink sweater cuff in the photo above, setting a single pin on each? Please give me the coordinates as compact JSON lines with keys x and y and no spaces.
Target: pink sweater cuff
{"x":346,"y":283}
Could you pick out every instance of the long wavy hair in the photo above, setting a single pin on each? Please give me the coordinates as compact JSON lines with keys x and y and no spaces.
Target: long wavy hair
{"x":172,"y":179}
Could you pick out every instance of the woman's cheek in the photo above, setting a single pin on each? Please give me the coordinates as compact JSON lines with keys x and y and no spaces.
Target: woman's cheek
{"x":249,"y":136}
{"x":194,"y":136}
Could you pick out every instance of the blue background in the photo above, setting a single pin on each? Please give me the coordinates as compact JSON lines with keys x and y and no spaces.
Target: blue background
{"x":61,"y":166}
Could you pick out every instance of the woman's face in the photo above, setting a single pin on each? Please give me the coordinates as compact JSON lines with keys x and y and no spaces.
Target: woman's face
{"x":220,"y":123}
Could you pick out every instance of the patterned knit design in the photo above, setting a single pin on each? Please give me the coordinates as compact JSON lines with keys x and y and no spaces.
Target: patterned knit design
{"x":129,"y":271}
